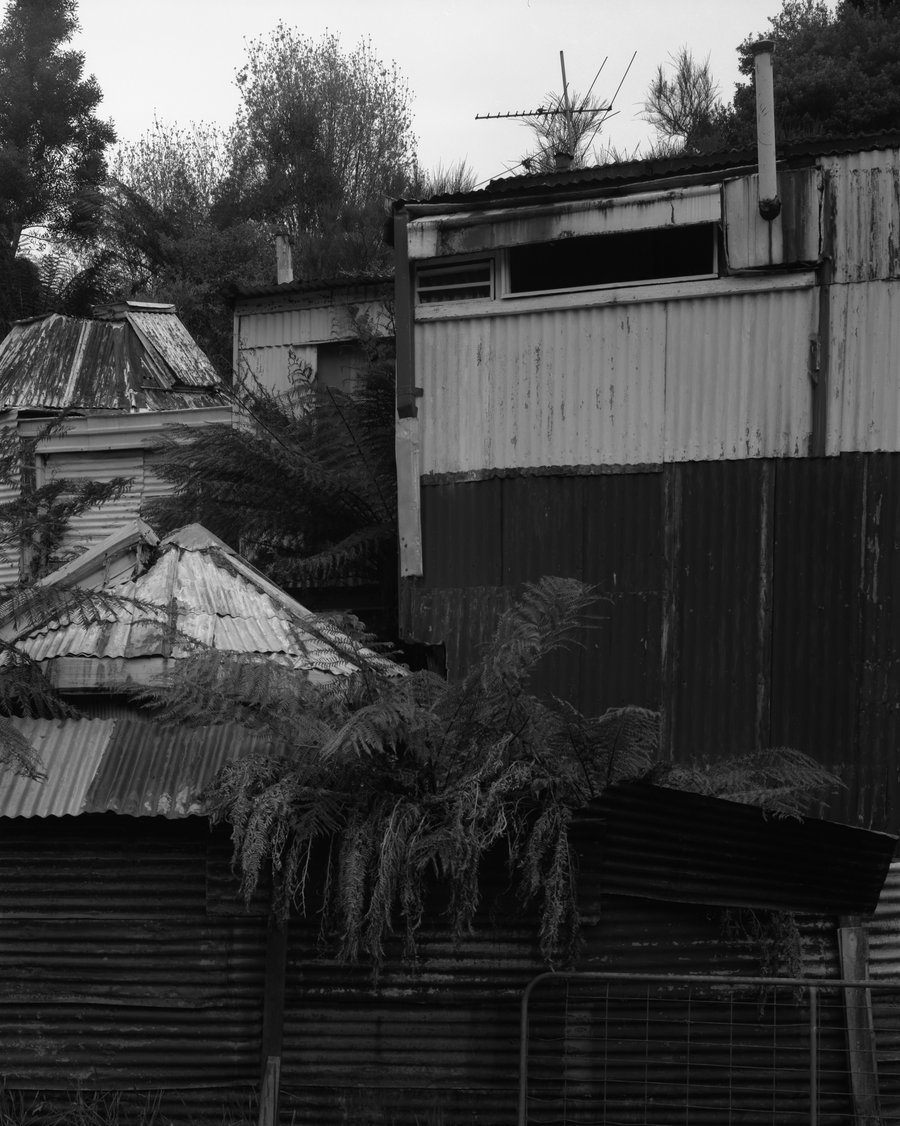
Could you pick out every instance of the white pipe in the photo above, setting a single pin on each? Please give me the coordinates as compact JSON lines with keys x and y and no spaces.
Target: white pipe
{"x":769,"y":203}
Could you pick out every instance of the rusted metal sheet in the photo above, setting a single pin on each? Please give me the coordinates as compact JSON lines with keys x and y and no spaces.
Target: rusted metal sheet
{"x":817,"y":646}
{"x":174,"y":350}
{"x":678,"y":380}
{"x":864,"y":396}
{"x":690,"y":848}
{"x":59,"y":362}
{"x":195,"y":589}
{"x":574,"y":386}
{"x":468,"y":233}
{"x":497,"y":534}
{"x":115,"y":977}
{"x":278,"y":332}
{"x":736,"y":376}
{"x":719,"y":577}
{"x":862,"y":216}
{"x":752,"y":242}
{"x":127,"y":766}
{"x":94,"y":524}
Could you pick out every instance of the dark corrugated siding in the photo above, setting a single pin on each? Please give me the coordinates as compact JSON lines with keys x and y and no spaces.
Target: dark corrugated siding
{"x":816,"y":636}
{"x":129,"y":963}
{"x":115,"y":976}
{"x":482,"y":540}
{"x":756,"y":603}
{"x":717,"y":557}
{"x":656,"y":843}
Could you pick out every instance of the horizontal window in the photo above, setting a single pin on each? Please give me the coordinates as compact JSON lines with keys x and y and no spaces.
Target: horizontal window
{"x":622,"y":258}
{"x":461,"y":282}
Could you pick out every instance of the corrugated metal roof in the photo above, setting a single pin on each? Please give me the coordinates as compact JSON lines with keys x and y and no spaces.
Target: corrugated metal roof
{"x":146,"y":362}
{"x":312,"y":285}
{"x":665,"y":844}
{"x":199,"y":590}
{"x":126,"y":766}
{"x":659,"y":168}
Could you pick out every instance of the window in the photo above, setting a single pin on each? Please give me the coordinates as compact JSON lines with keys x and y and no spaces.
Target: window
{"x":462,"y":281}
{"x":623,"y":258}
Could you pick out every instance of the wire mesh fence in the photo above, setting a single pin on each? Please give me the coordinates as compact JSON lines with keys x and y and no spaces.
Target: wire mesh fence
{"x":664,"y":1050}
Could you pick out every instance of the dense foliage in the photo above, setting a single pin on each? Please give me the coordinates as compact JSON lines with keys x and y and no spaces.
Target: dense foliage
{"x":836,"y":73}
{"x":323,"y":138}
{"x":387,"y":796}
{"x":52,"y":144}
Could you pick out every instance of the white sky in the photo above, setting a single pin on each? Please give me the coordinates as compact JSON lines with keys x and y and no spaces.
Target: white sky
{"x":177,"y":58}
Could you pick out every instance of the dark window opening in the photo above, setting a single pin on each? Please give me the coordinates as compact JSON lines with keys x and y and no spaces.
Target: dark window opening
{"x":339,"y":366}
{"x":461,"y":282}
{"x":628,"y":256}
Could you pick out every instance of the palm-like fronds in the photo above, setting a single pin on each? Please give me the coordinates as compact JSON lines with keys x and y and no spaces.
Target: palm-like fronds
{"x":395,"y":785}
{"x":305,"y":487}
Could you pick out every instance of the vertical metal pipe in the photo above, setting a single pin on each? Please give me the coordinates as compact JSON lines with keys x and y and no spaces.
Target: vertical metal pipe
{"x":813,"y":1056}
{"x":769,"y":203}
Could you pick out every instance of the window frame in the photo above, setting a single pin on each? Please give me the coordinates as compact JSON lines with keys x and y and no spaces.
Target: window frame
{"x":456,"y":264}
{"x":506,"y":293}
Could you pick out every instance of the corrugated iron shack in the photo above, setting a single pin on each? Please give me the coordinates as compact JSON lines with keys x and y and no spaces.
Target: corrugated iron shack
{"x":120,"y":380}
{"x":626,"y":375}
{"x":305,"y":331}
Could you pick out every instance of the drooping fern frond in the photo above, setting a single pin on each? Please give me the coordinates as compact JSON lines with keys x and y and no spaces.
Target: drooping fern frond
{"x":393,"y":787}
{"x":780,"y":780}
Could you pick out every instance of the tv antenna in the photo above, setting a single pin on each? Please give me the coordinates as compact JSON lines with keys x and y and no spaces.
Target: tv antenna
{"x":566,"y":109}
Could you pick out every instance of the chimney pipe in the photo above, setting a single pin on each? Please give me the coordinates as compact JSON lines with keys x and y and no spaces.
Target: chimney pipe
{"x":284,"y":266}
{"x":562,"y":161}
{"x":769,"y":203}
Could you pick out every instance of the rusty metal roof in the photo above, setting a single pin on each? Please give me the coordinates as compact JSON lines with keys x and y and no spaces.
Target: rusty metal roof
{"x":195,"y":590}
{"x":126,"y":766}
{"x":145,"y":361}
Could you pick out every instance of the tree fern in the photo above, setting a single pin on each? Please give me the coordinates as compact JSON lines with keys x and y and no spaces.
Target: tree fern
{"x":306,"y":486}
{"x":398,"y":785}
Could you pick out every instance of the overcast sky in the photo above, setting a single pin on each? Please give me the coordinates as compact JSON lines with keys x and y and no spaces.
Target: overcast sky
{"x":177,"y":58}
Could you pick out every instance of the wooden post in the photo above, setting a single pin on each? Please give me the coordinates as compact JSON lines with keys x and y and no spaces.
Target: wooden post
{"x":273,"y":1019}
{"x":853,"y":947}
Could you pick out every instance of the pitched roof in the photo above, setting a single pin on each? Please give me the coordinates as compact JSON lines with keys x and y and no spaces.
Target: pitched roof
{"x":144,"y":360}
{"x":188,"y":590}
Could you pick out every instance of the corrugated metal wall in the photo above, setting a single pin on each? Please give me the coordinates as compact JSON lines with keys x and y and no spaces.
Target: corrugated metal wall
{"x":755,"y":602}
{"x":637,"y":384}
{"x":862,"y":214}
{"x":129,"y":964}
{"x":115,"y":974}
{"x":276,"y":344}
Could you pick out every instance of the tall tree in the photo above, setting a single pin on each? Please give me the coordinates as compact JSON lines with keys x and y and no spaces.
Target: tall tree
{"x":52,"y":144}
{"x":323,"y":138}
{"x":164,"y":240}
{"x":835,"y":73}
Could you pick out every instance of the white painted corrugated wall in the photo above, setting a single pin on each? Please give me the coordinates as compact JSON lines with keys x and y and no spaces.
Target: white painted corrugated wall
{"x":643,"y":383}
{"x":862,"y":214}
